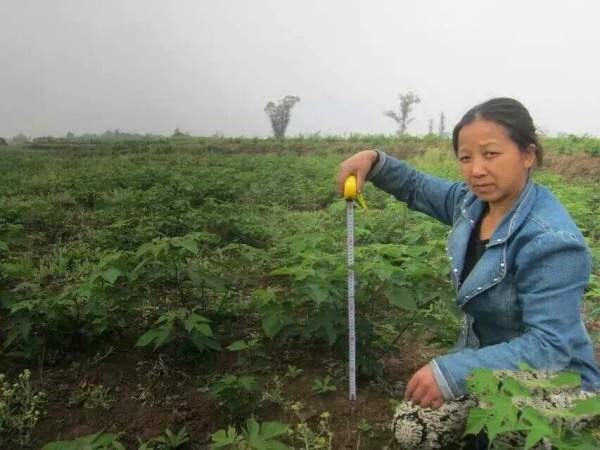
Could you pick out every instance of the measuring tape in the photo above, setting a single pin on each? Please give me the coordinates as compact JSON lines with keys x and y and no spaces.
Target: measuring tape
{"x":351,"y":194}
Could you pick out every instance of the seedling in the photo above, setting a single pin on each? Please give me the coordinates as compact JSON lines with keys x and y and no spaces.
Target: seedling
{"x":323,"y":386}
{"x":293,"y":371}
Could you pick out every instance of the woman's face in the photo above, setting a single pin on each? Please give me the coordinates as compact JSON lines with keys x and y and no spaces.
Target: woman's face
{"x":492,"y":164}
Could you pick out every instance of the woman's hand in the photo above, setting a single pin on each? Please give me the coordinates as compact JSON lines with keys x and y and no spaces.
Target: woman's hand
{"x":358,"y":165}
{"x":422,"y":389}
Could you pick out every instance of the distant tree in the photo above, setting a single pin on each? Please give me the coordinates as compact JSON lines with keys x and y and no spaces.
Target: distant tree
{"x":43,"y":140}
{"x":20,"y":139}
{"x":430,"y":126}
{"x":179,"y":133}
{"x":402,"y":117}
{"x":279,"y":114}
{"x":442,"y":128}
{"x":3,"y":141}
{"x":70,"y":135}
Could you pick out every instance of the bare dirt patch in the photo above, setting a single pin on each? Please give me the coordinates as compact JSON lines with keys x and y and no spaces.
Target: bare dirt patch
{"x":578,"y":166}
{"x":146,"y":393}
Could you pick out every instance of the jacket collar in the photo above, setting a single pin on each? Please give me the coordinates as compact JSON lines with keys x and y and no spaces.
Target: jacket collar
{"x":472,"y":208}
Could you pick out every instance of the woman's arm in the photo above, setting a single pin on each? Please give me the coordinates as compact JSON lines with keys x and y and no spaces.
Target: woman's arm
{"x":551,"y":276}
{"x":431,"y":195}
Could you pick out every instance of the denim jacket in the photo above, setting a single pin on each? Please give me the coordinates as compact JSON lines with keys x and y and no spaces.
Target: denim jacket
{"x":526,"y":290}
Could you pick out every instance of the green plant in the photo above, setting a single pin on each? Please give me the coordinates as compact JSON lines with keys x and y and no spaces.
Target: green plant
{"x":247,"y":351}
{"x":364,"y":428}
{"x":317,"y":276}
{"x":20,"y":408}
{"x":309,"y":439}
{"x":273,"y":393}
{"x":509,"y":404}
{"x":174,"y":261}
{"x":96,"y":441}
{"x":91,"y":396}
{"x":167,"y":441}
{"x":237,"y":396}
{"x":85,"y":310}
{"x":254,"y":436}
{"x":323,"y":386}
{"x":293,"y":371}
{"x":181,"y":325}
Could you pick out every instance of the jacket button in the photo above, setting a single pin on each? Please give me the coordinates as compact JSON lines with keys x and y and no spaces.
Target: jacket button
{"x":501,"y":264}
{"x":496,"y":279}
{"x":455,"y":270}
{"x":478,"y":288}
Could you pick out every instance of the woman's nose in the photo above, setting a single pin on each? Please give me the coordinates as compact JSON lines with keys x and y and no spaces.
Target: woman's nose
{"x":478,"y":168}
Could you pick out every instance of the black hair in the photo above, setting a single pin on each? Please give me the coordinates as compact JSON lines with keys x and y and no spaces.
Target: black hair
{"x":512,"y":116}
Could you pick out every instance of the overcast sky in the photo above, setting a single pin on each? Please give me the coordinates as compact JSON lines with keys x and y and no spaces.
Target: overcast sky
{"x":211,"y":66}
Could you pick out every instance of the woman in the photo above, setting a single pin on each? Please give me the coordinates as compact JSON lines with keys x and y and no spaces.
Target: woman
{"x":519,"y":265}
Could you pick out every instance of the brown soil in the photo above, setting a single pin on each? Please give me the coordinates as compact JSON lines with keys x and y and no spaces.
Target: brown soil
{"x":578,"y":166}
{"x":151,"y":392}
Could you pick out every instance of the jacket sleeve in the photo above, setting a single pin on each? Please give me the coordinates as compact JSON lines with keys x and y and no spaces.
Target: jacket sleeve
{"x":431,"y":195}
{"x":551,"y":274}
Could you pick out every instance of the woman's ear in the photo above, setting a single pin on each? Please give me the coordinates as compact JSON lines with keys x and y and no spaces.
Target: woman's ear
{"x":529,"y":156}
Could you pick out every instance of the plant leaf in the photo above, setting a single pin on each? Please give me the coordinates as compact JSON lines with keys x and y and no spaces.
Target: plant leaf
{"x":111,"y":275}
{"x":476,"y":420}
{"x":237,"y":346}
{"x":401,"y":297}
{"x":272,"y":429}
{"x":590,"y":406}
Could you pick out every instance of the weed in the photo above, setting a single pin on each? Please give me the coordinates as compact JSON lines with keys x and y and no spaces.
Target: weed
{"x":309,"y":439}
{"x":167,"y":441}
{"x":92,"y":396}
{"x":20,"y":408}
{"x":273,"y":392}
{"x":323,"y":386}
{"x":293,"y":371}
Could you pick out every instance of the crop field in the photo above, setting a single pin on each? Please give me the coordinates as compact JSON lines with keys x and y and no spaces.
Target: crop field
{"x":191,"y":292}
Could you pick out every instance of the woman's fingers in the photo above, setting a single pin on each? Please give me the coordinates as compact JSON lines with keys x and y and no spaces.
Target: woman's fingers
{"x":424,"y":395}
{"x":423,"y":390}
{"x":349,"y":167}
{"x":358,"y":165}
{"x":431,"y":399}
{"x":343,"y":173}
{"x":437,"y":403}
{"x":410,"y":388}
{"x":419,"y":394}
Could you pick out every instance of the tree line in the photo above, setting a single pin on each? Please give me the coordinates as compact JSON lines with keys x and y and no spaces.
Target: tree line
{"x":279,"y":114}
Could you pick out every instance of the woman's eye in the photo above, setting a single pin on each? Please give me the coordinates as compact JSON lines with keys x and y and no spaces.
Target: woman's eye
{"x":464,"y":159}
{"x":490,"y":154}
